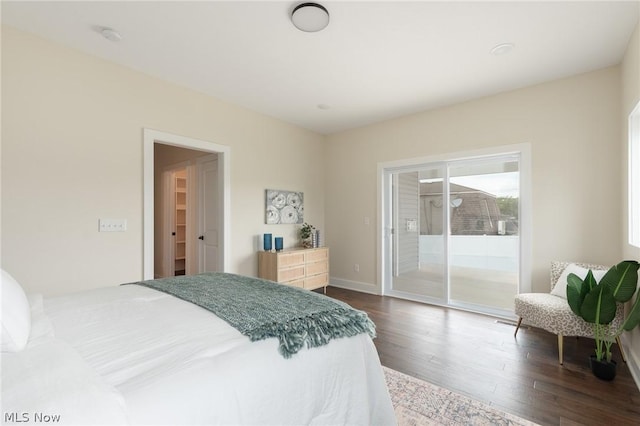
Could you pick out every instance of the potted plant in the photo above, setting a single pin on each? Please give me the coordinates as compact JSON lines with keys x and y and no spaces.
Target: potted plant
{"x":596,"y":303}
{"x":306,"y":231}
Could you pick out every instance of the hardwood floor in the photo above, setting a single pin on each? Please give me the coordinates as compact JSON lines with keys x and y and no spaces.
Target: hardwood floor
{"x":478,"y":356}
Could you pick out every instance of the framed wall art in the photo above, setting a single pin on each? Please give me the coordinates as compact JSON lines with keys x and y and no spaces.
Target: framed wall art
{"x":286,"y":207}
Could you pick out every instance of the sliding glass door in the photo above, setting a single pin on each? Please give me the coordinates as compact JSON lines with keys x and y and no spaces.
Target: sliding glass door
{"x":484,"y":239}
{"x":418,"y":237}
{"x":454,"y":233}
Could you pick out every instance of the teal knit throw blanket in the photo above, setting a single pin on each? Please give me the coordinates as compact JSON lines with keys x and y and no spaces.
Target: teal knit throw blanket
{"x":261,"y":309}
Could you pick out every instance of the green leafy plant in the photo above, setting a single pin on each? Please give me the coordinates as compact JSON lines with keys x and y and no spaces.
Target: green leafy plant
{"x":305,"y":233}
{"x":596,"y":303}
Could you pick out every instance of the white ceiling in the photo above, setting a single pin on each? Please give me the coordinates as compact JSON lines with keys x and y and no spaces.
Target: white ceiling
{"x":376,"y":60}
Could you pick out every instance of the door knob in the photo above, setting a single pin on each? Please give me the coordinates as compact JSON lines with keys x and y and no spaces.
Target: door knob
{"x":201,"y":237}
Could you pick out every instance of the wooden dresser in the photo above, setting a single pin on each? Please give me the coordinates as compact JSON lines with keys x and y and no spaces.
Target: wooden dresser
{"x":304,"y":268}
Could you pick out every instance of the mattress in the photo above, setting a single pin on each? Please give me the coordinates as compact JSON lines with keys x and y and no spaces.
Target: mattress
{"x":133,"y":355}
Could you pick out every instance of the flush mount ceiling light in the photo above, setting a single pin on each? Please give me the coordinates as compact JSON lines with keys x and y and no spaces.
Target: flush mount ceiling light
{"x":111,"y":34}
{"x":310,"y":17}
{"x":502,"y":49}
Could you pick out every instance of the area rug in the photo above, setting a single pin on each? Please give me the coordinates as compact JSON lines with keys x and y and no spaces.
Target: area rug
{"x":419,"y":403}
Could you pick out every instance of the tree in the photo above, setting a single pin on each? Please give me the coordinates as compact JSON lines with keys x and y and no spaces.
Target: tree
{"x":508,"y":206}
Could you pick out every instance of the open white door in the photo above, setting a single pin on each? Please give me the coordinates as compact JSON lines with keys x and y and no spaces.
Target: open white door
{"x":209,"y":215}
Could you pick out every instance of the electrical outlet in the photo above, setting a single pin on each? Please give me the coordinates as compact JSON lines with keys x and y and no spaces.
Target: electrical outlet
{"x":356,"y":267}
{"x":112,"y":225}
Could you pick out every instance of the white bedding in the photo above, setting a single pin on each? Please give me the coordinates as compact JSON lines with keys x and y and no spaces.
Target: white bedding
{"x":145,"y":357}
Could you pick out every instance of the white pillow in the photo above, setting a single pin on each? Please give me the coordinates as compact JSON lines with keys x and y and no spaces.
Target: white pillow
{"x":560,"y":289}
{"x":16,"y":314}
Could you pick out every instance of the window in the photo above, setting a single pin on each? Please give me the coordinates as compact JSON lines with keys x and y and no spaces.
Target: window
{"x":634,"y":176}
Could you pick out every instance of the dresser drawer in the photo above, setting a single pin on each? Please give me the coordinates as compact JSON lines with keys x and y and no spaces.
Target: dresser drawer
{"x":317,"y":268}
{"x":316,"y":281}
{"x":290,"y":274}
{"x":290,"y":259}
{"x":296,"y":283}
{"x":317,"y":255}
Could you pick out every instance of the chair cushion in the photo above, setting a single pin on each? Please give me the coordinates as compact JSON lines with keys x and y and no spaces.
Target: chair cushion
{"x":553,"y":314}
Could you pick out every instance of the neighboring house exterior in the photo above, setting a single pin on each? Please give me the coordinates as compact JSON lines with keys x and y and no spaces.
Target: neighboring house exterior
{"x":473,"y":212}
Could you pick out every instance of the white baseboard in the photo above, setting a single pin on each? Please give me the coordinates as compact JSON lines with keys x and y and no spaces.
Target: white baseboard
{"x":633,"y":360}
{"x":354,"y":285}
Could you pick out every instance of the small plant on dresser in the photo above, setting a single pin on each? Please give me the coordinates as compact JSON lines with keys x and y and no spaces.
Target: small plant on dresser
{"x":306,"y":232}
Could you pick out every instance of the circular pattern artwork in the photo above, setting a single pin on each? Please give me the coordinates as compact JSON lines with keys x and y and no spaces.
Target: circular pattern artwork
{"x":286,"y":207}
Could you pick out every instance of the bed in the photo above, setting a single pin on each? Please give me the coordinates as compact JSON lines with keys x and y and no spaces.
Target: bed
{"x":133,"y":354}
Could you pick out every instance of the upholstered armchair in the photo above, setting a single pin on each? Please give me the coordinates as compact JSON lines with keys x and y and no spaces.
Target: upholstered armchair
{"x":551,"y":312}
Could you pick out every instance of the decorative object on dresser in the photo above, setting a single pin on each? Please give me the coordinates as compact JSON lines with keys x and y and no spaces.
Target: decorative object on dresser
{"x":267,"y":242}
{"x":279,"y":244}
{"x":283,"y":207}
{"x":307,"y":232}
{"x":304,"y":268}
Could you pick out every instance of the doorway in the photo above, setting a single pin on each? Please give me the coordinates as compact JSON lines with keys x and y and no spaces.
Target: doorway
{"x":194,"y":156}
{"x":186,"y":211}
{"x":456,"y":231}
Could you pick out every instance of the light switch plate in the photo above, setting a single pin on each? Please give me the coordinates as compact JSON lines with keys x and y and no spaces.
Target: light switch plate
{"x":112,"y":225}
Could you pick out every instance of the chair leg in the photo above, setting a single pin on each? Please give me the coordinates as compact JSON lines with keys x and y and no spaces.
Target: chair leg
{"x":624,"y":359}
{"x":517,"y":327}
{"x":560,"y":342}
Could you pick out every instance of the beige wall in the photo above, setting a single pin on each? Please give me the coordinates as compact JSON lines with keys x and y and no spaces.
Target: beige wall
{"x":572,"y":126}
{"x":630,"y":97}
{"x":72,"y":153}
